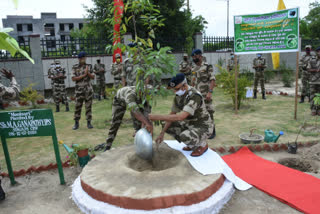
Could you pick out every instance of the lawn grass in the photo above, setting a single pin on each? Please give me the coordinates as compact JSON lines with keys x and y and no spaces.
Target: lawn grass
{"x":275,"y":113}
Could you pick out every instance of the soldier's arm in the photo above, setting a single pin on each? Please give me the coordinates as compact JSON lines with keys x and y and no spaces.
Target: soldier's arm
{"x":139,"y":116}
{"x":75,"y":77}
{"x":169,"y":118}
{"x":10,"y":92}
{"x":90,"y":72}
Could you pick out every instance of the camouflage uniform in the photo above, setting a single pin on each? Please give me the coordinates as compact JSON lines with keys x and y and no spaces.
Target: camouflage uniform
{"x":99,"y":70}
{"x":58,"y":86}
{"x":196,"y":128}
{"x":185,"y":68}
{"x":231,"y":64}
{"x":83,"y":91}
{"x":116,"y":71}
{"x":129,"y":72}
{"x":305,"y":75}
{"x":203,"y":76}
{"x":259,"y":74}
{"x":314,"y":63}
{"x":125,"y":97}
{"x":11,"y":92}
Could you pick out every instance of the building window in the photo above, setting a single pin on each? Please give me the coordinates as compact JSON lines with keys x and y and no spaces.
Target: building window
{"x":80,"y":26}
{"x":30,"y":27}
{"x":63,"y":38}
{"x":49,"y":25}
{"x":61,"y":27}
{"x":20,"y":39}
{"x":52,"y":32}
{"x":71,"y":26}
{"x":19,"y":27}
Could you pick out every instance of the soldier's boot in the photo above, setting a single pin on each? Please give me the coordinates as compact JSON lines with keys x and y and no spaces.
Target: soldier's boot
{"x":309,"y":99}
{"x":99,"y":97}
{"x":76,"y":125}
{"x":301,"y":99}
{"x":105,"y":97}
{"x":2,"y":193}
{"x":57,"y":108}
{"x":264,"y":96}
{"x":255,"y":94}
{"x":67,"y":108}
{"x":213,"y":135}
{"x":89,"y":124}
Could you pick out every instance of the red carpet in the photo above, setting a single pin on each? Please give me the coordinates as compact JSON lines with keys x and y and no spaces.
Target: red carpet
{"x":297,"y":189}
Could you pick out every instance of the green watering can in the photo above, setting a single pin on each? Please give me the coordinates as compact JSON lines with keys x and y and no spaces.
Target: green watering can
{"x":82,"y":160}
{"x":270,"y":137}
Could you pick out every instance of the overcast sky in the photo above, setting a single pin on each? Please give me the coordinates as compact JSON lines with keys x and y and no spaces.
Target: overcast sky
{"x":214,"y":11}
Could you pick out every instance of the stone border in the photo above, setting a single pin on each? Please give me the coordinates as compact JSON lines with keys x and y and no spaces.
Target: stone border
{"x":154,"y":203}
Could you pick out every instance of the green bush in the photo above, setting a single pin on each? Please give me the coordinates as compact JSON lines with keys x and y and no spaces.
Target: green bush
{"x":287,"y":76}
{"x":226,"y":80}
{"x":29,"y":94}
{"x":247,"y":73}
{"x":269,"y":74}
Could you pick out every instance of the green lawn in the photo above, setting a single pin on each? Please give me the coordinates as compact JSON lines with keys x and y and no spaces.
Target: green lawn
{"x":275,"y":113}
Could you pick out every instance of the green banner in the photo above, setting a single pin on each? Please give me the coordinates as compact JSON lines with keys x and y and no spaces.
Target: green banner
{"x":26,"y":123}
{"x":267,"y":33}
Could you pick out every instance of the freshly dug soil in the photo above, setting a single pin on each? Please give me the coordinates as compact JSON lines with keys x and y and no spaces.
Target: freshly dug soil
{"x":299,"y":164}
{"x":312,"y":153}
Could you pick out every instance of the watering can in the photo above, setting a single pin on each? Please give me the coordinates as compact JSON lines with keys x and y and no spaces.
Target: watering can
{"x":82,"y":160}
{"x":270,"y":137}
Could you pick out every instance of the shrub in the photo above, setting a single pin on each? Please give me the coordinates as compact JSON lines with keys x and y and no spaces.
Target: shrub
{"x":29,"y":94}
{"x":269,"y":75}
{"x":287,"y":75}
{"x":247,"y":73}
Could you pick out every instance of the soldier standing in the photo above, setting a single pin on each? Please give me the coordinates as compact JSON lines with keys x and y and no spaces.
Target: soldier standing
{"x":259,"y":64}
{"x":185,"y":68}
{"x":231,"y":62}
{"x":82,"y":75}
{"x":305,"y":76}
{"x":11,"y":92}
{"x":99,"y":70}
{"x":204,"y":82}
{"x":314,"y":69}
{"x":57,"y":74}
{"x":116,"y":71}
{"x":189,"y":121}
{"x":127,"y":97}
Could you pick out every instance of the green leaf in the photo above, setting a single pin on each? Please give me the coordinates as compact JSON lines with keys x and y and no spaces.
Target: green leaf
{"x":124,"y":27}
{"x":158,"y":46}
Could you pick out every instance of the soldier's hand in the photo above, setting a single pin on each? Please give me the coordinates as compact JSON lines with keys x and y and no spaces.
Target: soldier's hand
{"x":7,"y":73}
{"x":149,"y":127}
{"x":160,"y":138}
{"x":209,"y":96}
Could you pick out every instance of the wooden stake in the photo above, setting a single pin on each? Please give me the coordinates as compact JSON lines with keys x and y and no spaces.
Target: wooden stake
{"x":296,"y":95}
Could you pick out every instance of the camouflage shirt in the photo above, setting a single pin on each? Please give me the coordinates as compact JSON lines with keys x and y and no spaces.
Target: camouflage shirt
{"x":185,"y":67}
{"x":78,"y":70}
{"x":303,"y":63}
{"x":193,"y":103}
{"x":99,"y":70}
{"x":116,"y":70}
{"x":11,"y":92}
{"x":203,"y":76}
{"x":231,"y":63}
{"x":314,"y":63}
{"x":128,"y":96}
{"x":56,"y":70}
{"x":259,"y":62}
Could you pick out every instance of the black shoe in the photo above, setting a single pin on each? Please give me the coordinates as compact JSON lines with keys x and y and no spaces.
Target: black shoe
{"x":57,"y":108}
{"x":264,"y":96}
{"x":213,"y":135}
{"x":89,"y":124}
{"x":255,"y":95}
{"x":107,"y":148}
{"x":99,"y":147}
{"x":302,"y":99}
{"x":2,"y":193}
{"x":99,"y":98}
{"x":76,"y":125}
{"x":67,"y":108}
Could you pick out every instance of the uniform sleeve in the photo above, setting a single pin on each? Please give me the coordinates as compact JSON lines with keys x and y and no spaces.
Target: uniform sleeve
{"x":193,"y":104}
{"x":74,"y":72}
{"x":90,"y":68}
{"x":174,"y":107}
{"x":309,"y":66}
{"x":112,"y":69}
{"x":210,"y":73}
{"x":10,"y":92}
{"x":131,"y":102}
{"x":123,"y":71}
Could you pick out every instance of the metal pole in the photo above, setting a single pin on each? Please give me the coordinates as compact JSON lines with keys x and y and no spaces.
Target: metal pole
{"x":228,"y":19}
{"x":296,"y":95}
{"x":236,"y":83}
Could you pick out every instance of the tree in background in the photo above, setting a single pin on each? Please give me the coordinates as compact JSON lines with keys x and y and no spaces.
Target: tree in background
{"x":310,"y":25}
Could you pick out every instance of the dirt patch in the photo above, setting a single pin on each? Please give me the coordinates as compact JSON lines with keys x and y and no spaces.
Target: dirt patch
{"x":311,"y":128}
{"x":164,"y":158}
{"x":299,"y":164}
{"x":312,"y":153}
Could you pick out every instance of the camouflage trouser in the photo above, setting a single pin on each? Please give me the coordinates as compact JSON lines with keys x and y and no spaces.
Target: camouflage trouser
{"x":84,"y":95}
{"x":305,"y":83}
{"x":118,"y":111}
{"x":314,"y":89}
{"x":259,"y":77}
{"x":60,"y":94}
{"x":117,"y":83}
{"x":101,"y":87}
{"x":190,"y":135}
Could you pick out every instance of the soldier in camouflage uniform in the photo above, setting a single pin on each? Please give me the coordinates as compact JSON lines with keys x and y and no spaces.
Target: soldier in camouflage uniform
{"x":189,"y":121}
{"x":314,"y":69}
{"x":185,"y":68}
{"x":204,"y":82}
{"x":305,"y":76}
{"x":99,"y":70}
{"x":259,"y":65}
{"x":231,"y":62}
{"x":57,"y":74}
{"x":127,"y":97}
{"x":11,"y":92}
{"x":82,"y":75}
{"x":116,"y":71}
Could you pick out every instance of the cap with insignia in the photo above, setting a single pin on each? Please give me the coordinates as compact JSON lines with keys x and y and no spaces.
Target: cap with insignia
{"x":308,"y":46}
{"x":196,"y":52}
{"x":82,"y":54}
{"x":179,"y":78}
{"x":185,"y":54}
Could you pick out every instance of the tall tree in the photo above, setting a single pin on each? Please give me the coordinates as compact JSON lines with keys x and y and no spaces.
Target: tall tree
{"x":310,"y":25}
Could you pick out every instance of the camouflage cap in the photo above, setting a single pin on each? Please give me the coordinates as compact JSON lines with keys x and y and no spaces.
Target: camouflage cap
{"x":117,"y":55}
{"x":308,"y":46}
{"x":132,"y":44}
{"x":179,"y":78}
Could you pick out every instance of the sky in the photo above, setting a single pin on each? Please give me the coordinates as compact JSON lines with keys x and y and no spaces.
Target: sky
{"x":214,"y":11}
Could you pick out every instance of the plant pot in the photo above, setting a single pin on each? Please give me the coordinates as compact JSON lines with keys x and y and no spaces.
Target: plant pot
{"x":83,"y":153}
{"x":254,"y":138}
